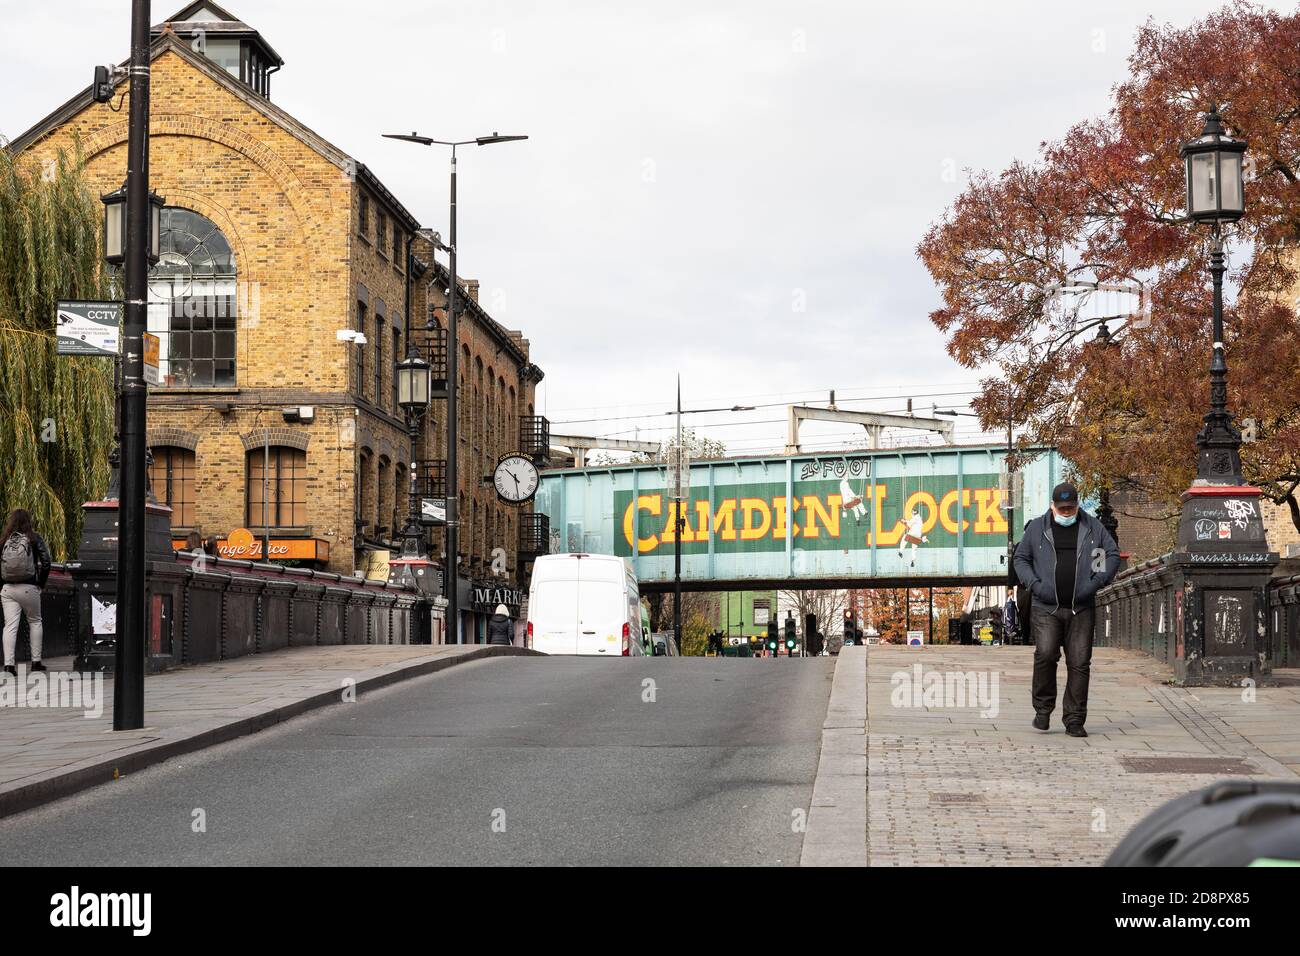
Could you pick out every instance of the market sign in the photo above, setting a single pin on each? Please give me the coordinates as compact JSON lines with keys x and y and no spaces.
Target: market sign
{"x":87,"y":328}
{"x":486,"y":598}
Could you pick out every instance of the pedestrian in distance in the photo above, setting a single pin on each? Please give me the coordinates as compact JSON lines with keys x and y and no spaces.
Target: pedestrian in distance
{"x":1064,"y":559}
{"x":500,"y":629}
{"x":24,"y":565}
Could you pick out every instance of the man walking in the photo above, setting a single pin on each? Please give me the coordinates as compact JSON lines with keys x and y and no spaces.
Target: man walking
{"x":1064,"y":559}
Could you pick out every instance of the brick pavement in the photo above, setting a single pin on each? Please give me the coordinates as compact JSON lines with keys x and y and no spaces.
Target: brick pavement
{"x":947,"y":786}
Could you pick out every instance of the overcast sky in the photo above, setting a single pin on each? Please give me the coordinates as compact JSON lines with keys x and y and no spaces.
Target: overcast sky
{"x":729,"y":190}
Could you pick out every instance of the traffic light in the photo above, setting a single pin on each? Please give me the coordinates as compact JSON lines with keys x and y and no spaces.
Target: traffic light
{"x":789,"y":634}
{"x":850,"y":627}
{"x":772,"y":642}
{"x":812,"y":641}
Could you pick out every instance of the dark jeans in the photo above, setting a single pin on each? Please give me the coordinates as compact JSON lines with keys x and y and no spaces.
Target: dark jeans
{"x":1052,"y":630}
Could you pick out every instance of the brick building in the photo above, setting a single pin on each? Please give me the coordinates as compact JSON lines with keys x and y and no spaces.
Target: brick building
{"x":275,"y":241}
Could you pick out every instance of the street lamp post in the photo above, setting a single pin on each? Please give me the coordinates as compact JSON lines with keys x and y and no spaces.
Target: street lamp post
{"x":414,"y":386}
{"x":1220,"y":568}
{"x":128,"y":677}
{"x":1215,"y":196}
{"x":453,"y":381}
{"x":681,"y":468}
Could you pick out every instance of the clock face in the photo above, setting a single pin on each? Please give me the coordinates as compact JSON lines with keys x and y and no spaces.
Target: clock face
{"x":516,"y":479}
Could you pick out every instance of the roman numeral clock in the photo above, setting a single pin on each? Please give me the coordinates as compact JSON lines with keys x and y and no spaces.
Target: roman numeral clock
{"x":516,"y":478}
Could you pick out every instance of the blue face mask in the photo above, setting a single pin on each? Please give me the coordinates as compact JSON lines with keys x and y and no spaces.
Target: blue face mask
{"x":1065,"y":522}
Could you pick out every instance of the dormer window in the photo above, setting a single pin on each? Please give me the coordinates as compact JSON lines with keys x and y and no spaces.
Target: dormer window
{"x":228,"y":42}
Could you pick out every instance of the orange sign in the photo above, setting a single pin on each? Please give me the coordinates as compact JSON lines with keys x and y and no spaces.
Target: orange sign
{"x":151,"y":372}
{"x":243,"y":544}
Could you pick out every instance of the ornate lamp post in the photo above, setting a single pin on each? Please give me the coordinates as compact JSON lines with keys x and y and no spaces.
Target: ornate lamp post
{"x":414,"y":383}
{"x":1215,"y":197}
{"x":1220,"y":567}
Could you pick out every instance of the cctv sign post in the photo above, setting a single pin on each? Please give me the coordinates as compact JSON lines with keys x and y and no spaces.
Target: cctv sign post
{"x":433,"y":511}
{"x":88,"y":328}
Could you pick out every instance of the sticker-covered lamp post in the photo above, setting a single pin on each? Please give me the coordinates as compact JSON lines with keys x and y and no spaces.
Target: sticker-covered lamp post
{"x":1221,"y":564}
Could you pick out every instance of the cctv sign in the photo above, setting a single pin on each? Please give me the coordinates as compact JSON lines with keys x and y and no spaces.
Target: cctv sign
{"x":87,"y":328}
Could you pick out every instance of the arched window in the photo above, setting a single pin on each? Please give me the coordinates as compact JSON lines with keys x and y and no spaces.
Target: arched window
{"x":383,"y":503}
{"x":192,"y":301}
{"x":277,"y":488}
{"x":171,"y":476}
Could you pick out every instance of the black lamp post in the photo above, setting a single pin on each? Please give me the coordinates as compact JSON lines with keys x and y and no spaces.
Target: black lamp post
{"x":414,"y":383}
{"x":1215,"y":196}
{"x":453,"y":354}
{"x":115,"y":243}
{"x":115,"y":216}
{"x":1220,"y":568}
{"x":133,"y":244}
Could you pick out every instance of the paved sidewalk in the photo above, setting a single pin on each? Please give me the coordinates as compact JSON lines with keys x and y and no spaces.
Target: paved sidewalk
{"x":47,"y":753}
{"x":947,"y":786}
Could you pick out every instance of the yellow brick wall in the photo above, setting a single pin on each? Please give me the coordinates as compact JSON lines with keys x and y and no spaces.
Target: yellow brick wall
{"x":291,"y":213}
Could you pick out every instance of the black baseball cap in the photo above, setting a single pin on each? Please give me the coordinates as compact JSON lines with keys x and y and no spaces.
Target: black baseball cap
{"x":1065,"y":494}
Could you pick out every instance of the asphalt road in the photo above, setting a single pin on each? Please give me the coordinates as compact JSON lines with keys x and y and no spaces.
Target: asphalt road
{"x":523,"y":760}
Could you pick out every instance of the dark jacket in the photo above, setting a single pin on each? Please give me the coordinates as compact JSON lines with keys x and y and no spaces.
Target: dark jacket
{"x":42,"y":560}
{"x":1035,"y":560}
{"x":500,"y":630}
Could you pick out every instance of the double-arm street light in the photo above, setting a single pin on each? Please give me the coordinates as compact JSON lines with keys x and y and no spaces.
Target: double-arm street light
{"x":453,"y":382}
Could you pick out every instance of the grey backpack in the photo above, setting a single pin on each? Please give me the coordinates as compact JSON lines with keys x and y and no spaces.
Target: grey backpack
{"x":17,"y":563}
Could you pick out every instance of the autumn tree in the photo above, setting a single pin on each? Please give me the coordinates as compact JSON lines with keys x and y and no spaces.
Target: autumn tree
{"x":1121,"y":391}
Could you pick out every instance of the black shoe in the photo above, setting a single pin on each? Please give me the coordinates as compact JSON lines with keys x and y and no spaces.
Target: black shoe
{"x":10,"y":669}
{"x":38,"y":666}
{"x":1076,"y":730}
{"x":1041,"y":722}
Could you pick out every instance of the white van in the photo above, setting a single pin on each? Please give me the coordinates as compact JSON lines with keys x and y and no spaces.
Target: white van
{"x":585,"y":604}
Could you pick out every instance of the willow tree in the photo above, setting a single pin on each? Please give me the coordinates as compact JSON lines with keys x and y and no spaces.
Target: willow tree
{"x":56,"y":411}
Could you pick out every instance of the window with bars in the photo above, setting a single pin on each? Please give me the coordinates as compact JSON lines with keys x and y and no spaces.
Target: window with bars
{"x":277,"y":488}
{"x":172,"y":478}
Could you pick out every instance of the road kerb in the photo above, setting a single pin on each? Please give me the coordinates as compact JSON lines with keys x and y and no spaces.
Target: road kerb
{"x":837,"y":819}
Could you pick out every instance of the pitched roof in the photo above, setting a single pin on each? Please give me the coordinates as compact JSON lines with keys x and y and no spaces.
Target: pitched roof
{"x":170,"y":41}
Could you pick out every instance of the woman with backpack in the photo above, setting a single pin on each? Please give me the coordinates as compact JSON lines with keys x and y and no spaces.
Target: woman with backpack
{"x":24,"y":565}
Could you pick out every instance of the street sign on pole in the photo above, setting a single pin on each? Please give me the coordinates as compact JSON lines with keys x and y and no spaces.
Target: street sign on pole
{"x":915,"y":638}
{"x":433,"y":511}
{"x":151,"y":349}
{"x":87,"y":328}
{"x":679,"y":471}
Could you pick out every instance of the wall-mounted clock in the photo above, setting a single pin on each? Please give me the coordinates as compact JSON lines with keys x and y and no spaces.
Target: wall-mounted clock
{"x":516,"y":479}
